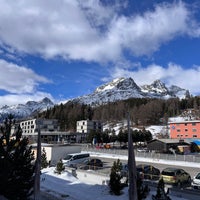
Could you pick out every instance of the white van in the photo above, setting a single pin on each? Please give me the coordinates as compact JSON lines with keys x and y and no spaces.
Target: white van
{"x":71,"y":160}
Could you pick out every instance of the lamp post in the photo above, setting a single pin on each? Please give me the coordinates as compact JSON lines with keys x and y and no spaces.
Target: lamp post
{"x":131,"y":165}
{"x":37,"y":165}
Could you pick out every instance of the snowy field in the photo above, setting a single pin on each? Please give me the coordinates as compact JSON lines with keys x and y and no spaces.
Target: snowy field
{"x":67,"y":187}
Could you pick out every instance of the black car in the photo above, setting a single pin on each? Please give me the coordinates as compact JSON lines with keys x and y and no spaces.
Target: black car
{"x":148,"y":171}
{"x":93,"y":164}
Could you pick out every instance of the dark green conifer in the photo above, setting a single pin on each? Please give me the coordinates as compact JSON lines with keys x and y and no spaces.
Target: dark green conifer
{"x":44,"y":163}
{"x":115,"y":178}
{"x":16,"y":164}
{"x":59,"y":167}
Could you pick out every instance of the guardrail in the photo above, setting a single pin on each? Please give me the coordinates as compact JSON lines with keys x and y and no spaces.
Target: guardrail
{"x":152,"y":155}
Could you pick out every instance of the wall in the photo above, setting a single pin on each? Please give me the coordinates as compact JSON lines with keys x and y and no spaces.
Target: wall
{"x":56,"y":152}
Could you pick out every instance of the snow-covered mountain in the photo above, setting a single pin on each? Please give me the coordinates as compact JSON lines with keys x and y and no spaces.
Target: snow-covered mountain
{"x":25,"y":110}
{"x":125,"y":88}
{"x":118,"y":89}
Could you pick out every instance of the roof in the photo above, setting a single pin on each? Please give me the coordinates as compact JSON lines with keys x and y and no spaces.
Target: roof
{"x":197,"y":142}
{"x":184,"y":122}
{"x":171,"y":141}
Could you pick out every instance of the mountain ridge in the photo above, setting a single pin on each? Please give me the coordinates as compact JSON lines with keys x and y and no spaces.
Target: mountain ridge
{"x":116,"y":90}
{"x":125,"y":88}
{"x":25,"y":110}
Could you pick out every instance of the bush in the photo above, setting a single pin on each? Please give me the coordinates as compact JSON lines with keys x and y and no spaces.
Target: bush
{"x":59,"y":167}
{"x":115,"y":178}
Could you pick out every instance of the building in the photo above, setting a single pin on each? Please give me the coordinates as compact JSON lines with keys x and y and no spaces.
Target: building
{"x":55,"y":152}
{"x":185,"y":129}
{"x":84,"y":127}
{"x":49,"y":128}
{"x":168,"y":145}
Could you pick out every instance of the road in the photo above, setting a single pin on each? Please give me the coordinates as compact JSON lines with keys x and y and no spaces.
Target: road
{"x":108,"y":162}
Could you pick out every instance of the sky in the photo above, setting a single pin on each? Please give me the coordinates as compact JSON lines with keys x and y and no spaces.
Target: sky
{"x":67,"y":185}
{"x":64,"y":49}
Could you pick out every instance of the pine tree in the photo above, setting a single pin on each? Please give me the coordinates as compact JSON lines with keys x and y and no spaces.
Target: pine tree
{"x":16,"y":164}
{"x":44,"y":163}
{"x":59,"y":167}
{"x":115,"y":178}
{"x":142,"y":190}
{"x":161,"y":194}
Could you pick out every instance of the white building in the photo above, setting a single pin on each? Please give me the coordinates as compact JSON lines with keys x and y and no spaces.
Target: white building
{"x":49,"y":128}
{"x":84,"y":127}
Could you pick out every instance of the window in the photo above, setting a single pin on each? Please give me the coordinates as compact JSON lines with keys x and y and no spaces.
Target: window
{"x":178,"y":130}
{"x":186,"y":135}
{"x":185,"y":124}
{"x":194,"y":136}
{"x":186,"y":130}
{"x":194,"y":130}
{"x":193,"y":124}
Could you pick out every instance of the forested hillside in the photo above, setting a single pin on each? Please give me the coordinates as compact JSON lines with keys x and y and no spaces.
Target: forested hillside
{"x":143,"y":111}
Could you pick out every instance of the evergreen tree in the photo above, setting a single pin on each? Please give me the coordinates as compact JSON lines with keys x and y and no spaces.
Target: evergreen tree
{"x":16,"y":164}
{"x":142,"y":191}
{"x":161,"y":194}
{"x":44,"y":163}
{"x":115,"y":178}
{"x":59,"y":167}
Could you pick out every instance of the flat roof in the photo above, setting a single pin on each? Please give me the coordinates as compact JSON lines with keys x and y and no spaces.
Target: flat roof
{"x":184,"y":122}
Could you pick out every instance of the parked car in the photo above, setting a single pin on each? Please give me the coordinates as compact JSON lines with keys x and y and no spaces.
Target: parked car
{"x":175,"y":176}
{"x":148,"y":171}
{"x":71,"y":160}
{"x":142,"y":150}
{"x":124,"y":170}
{"x":93,"y":164}
{"x":196,"y":181}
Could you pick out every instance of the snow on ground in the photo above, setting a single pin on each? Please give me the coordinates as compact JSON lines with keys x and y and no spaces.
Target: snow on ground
{"x":67,"y":187}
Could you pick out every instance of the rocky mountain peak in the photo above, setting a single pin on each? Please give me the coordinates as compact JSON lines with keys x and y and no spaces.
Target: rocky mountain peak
{"x":125,"y":88}
{"x":156,"y":87}
{"x":25,"y":110}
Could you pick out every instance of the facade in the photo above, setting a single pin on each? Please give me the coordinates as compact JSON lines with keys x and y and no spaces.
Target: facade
{"x":84,"y":127}
{"x":185,"y":130}
{"x":168,"y":145}
{"x":49,"y":129}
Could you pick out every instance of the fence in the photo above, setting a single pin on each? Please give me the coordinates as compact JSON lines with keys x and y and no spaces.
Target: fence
{"x":155,"y":156}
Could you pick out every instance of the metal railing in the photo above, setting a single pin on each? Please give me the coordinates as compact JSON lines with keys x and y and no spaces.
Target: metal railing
{"x":152,"y":155}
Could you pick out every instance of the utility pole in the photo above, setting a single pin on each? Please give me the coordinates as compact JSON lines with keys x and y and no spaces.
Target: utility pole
{"x":37,"y":165}
{"x":131,"y":165}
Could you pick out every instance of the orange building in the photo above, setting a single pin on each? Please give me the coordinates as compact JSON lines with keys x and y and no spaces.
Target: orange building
{"x":184,"y":130}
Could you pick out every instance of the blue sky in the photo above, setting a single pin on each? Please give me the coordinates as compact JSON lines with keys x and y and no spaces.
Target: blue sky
{"x":64,"y":49}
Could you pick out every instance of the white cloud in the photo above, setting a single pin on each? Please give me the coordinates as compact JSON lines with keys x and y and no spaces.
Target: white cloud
{"x":20,"y":84}
{"x":14,"y":99}
{"x":18,"y":79}
{"x":172,"y":74}
{"x":89,"y":30}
